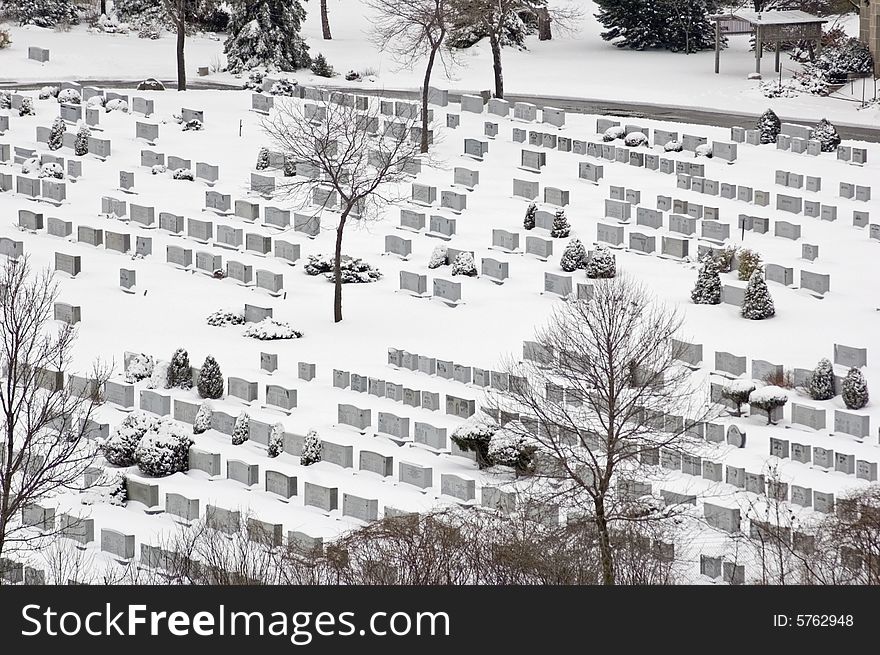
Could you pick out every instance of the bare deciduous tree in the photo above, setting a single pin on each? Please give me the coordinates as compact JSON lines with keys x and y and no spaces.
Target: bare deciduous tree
{"x":411,"y":30}
{"x":44,"y":444}
{"x":181,"y":14}
{"x":325,"y":22}
{"x":348,"y":152}
{"x":602,"y":390}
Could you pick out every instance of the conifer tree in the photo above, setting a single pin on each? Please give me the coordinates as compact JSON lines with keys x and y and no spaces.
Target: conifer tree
{"x":311,"y":451}
{"x":574,"y":256}
{"x":821,"y":386}
{"x":757,"y":303}
{"x":266,"y":33}
{"x":464,"y":265}
{"x":529,"y":220}
{"x":769,"y":125}
{"x":602,"y":264}
{"x":56,"y":134}
{"x":27,"y":107}
{"x":241,"y":429}
{"x":276,"y":440}
{"x":210,"y":383}
{"x":561,"y":228}
{"x":202,"y":421}
{"x":179,"y":371}
{"x":826,"y":134}
{"x":81,"y":143}
{"x":707,"y":290}
{"x":854,"y":390}
{"x":262,"y":159}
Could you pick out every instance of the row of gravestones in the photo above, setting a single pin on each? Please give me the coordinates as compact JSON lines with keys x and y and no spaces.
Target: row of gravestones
{"x":45,"y":189}
{"x":100,"y":148}
{"x":203,"y":171}
{"x":689,"y":142}
{"x":19,"y":155}
{"x":717,"y":567}
{"x":825,"y":459}
{"x":795,"y":138}
{"x":522,"y":111}
{"x":426,"y":196}
{"x":650,"y":161}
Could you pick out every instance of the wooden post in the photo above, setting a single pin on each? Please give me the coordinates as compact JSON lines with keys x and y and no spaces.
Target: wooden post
{"x":757,"y":48}
{"x":717,"y":46}
{"x":777,"y":48}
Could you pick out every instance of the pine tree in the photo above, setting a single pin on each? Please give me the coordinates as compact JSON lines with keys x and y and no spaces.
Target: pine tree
{"x":81,"y":144}
{"x":266,"y":33}
{"x":529,"y":220}
{"x":757,"y":303}
{"x":179,"y":371}
{"x":561,"y":229}
{"x":574,"y":256}
{"x":821,"y":385}
{"x":241,"y":429}
{"x":826,"y":134}
{"x":311,"y":450}
{"x":676,"y":25}
{"x":43,"y":13}
{"x":854,"y":390}
{"x":769,"y":125}
{"x":262,"y":159}
{"x":202,"y":421}
{"x":56,"y":134}
{"x":464,"y":265}
{"x":321,"y":68}
{"x":27,"y":107}
{"x":210,"y":383}
{"x":602,"y":264}
{"x":276,"y":440}
{"x":707,"y":290}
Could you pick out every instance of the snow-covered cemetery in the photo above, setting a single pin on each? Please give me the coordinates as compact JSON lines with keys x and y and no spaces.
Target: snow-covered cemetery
{"x":439,"y":292}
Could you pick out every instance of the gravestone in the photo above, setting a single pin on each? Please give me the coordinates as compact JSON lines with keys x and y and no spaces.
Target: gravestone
{"x":325,"y":498}
{"x":243,"y":389}
{"x":353,"y":416}
{"x":415,"y":474}
{"x":849,"y":356}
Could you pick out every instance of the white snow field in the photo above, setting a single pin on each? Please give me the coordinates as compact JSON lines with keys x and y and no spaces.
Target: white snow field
{"x":171,"y":302}
{"x":576,"y":65}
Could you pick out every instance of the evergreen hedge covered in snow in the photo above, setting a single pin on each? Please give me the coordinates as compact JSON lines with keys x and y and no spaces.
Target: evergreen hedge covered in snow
{"x":269,"y":329}
{"x":164,"y":451}
{"x":464,"y":265}
{"x":574,"y":256}
{"x":354,"y":270}
{"x":120,"y":447}
{"x":854,"y":390}
{"x":140,"y":367}
{"x":224,"y":317}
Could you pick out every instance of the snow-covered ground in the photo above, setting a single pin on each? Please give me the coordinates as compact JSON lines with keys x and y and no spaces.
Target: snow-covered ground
{"x":170,"y":306}
{"x":577,"y":65}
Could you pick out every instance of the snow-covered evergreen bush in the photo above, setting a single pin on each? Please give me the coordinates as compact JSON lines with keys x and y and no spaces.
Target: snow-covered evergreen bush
{"x":69,"y":97}
{"x":43,"y":13}
{"x":508,"y":448}
{"x":474,"y":436}
{"x":757,"y":303}
{"x":560,"y":229}
{"x":158,"y":169}
{"x":574,"y":256}
{"x":673,"y":146}
{"x":529,"y":220}
{"x":117,"y":104}
{"x":283,"y":87}
{"x":321,"y":68}
{"x":262,"y":159}
{"x":5,"y":99}
{"x":96,"y":101}
{"x":30,"y":166}
{"x":738,"y":392}
{"x":241,"y":429}
{"x":602,"y":264}
{"x":311,"y":450}
{"x":266,"y":33}
{"x":179,"y":371}
{"x":140,"y":367}
{"x":56,"y":134}
{"x":210,"y":384}
{"x":613,"y":133}
{"x":826,"y":134}
{"x":464,"y":265}
{"x":164,"y":450}
{"x":194,"y":125}
{"x":635,"y":139}
{"x":439,"y":257}
{"x":707,"y":290}
{"x":51,"y":169}
{"x":353,"y":269}
{"x":749,"y":262}
{"x":183,"y":174}
{"x":821,"y":384}
{"x":269,"y":329}
{"x":854,"y":389}
{"x":81,"y":143}
{"x":159,"y":377}
{"x":224,"y":317}
{"x":119,"y":449}
{"x":27,"y":107}
{"x":202,"y":422}
{"x":703,"y":150}
{"x":767,"y":399}
{"x":276,"y":440}
{"x":47,"y":92}
{"x":769,"y":126}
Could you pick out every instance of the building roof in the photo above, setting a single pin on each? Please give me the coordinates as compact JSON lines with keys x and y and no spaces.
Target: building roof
{"x":793,"y":17}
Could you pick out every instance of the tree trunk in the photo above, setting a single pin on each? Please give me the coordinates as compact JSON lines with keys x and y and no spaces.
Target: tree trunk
{"x":181,"y":63}
{"x":496,"y":64}
{"x":428,"y":69}
{"x":605,"y":553}
{"x":325,"y":21}
{"x":104,"y":7}
{"x":337,"y":266}
{"x":544,"y":33}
